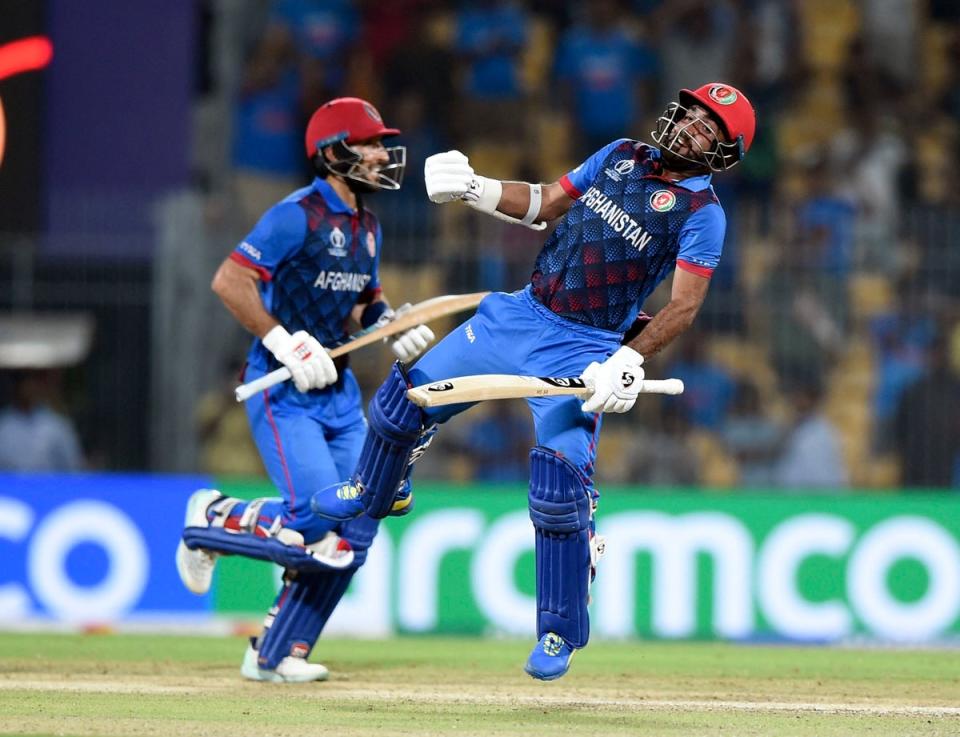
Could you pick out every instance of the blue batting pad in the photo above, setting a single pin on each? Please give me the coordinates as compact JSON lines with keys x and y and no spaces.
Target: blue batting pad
{"x":395,"y":426}
{"x":300,"y":613}
{"x":560,"y":509}
{"x":359,"y":532}
{"x":251,"y":546}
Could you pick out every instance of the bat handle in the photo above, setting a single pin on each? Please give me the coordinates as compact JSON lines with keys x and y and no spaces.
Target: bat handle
{"x":245,"y":391}
{"x":661,"y":386}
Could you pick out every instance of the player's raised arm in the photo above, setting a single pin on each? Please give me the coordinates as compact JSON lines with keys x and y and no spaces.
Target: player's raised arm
{"x":449,"y":177}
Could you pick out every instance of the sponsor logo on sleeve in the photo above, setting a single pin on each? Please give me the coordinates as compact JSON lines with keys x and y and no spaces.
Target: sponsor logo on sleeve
{"x":371,"y":244}
{"x":251,"y":250}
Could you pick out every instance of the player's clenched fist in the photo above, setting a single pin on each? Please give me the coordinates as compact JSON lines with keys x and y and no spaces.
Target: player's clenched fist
{"x":310,"y":365}
{"x":616,"y":382}
{"x":447,"y":176}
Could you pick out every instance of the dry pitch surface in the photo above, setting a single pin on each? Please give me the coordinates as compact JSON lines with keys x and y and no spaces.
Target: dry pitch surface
{"x":190,"y":687}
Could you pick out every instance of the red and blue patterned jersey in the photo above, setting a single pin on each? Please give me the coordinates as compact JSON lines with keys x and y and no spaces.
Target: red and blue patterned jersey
{"x":627,"y":230}
{"x":317,"y":258}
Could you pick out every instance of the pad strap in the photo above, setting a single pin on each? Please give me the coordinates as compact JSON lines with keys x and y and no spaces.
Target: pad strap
{"x":561,"y":509}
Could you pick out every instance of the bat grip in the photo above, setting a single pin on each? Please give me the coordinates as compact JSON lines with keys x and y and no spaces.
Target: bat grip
{"x":245,"y":391}
{"x":661,"y":386}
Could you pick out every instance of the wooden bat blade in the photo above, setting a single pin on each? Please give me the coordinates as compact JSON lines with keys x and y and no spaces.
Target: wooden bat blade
{"x":482,"y":387}
{"x":422,"y":312}
{"x":492,"y":386}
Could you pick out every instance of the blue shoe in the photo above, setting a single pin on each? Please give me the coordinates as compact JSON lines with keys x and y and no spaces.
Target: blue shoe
{"x":550,"y":659}
{"x":340,"y":502}
{"x":403,"y":501}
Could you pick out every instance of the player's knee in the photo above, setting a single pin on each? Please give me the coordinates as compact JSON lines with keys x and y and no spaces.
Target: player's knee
{"x":392,"y":415}
{"x":560,"y":500}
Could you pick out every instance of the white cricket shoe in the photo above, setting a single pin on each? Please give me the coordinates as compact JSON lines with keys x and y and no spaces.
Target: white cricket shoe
{"x":289,"y":670}
{"x":196,"y":566}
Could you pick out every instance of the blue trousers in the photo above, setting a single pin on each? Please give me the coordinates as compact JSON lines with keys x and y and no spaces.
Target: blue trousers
{"x":515,"y":334}
{"x":307,"y":441}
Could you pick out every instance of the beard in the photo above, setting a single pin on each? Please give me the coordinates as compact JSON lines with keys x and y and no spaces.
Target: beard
{"x":676,"y":163}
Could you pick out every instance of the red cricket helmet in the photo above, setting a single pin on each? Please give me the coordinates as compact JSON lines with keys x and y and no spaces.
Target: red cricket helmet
{"x":350,"y":120}
{"x":347,"y":119}
{"x":731,"y":110}
{"x":730,"y":106}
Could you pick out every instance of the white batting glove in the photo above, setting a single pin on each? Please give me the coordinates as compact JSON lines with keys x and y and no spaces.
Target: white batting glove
{"x":447,"y":176}
{"x":413,"y":342}
{"x":616,"y":382}
{"x":309,"y":363}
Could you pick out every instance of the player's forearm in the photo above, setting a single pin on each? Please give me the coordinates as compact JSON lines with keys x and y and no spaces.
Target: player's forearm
{"x":666,"y":325}
{"x":239,"y":294}
{"x":515,"y":200}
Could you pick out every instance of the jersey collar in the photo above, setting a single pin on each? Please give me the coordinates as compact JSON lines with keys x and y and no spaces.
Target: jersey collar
{"x":694,"y":184}
{"x":334,"y":203}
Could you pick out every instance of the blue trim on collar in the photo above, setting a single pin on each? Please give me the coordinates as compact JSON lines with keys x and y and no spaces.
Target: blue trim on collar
{"x":330,"y":196}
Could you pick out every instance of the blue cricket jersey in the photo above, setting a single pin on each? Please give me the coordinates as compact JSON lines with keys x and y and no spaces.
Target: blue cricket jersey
{"x":317,"y":258}
{"x":627,"y":230}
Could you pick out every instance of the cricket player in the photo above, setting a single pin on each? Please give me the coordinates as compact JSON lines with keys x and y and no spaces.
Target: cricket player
{"x":308,"y":267}
{"x":630,"y":214}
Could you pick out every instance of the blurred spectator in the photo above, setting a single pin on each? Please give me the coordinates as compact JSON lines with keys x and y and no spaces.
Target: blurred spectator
{"x":752,"y":437}
{"x":901,"y":340}
{"x":424,"y":69}
{"x":709,"y":388}
{"x":267,"y":151}
{"x":698,"y":41}
{"x":500,"y":443}
{"x":812,"y":455}
{"x":489,"y":41}
{"x":34,"y":437}
{"x":826,"y":222}
{"x":890,"y":29}
{"x":871,"y":154}
{"x":605,"y":77}
{"x":927,"y":424}
{"x":321,"y":34}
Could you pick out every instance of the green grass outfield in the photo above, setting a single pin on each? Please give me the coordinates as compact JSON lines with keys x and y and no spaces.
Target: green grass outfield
{"x":190,"y":687}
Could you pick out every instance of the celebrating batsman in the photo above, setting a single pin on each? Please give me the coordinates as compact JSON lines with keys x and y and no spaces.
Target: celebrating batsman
{"x":308,"y":266}
{"x":630,"y":213}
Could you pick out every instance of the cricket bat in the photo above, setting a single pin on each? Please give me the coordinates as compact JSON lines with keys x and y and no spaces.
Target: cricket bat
{"x":481,"y":387}
{"x":422,"y":312}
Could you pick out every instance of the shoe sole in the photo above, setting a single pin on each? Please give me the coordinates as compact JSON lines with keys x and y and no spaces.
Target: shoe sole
{"x":195,"y":517}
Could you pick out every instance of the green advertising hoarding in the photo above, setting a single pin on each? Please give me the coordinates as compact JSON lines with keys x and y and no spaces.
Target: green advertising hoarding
{"x":815,"y":568}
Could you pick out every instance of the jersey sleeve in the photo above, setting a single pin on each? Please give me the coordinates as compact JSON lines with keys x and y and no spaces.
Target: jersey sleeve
{"x":278,"y":234}
{"x":701,"y":241}
{"x":575,"y":182}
